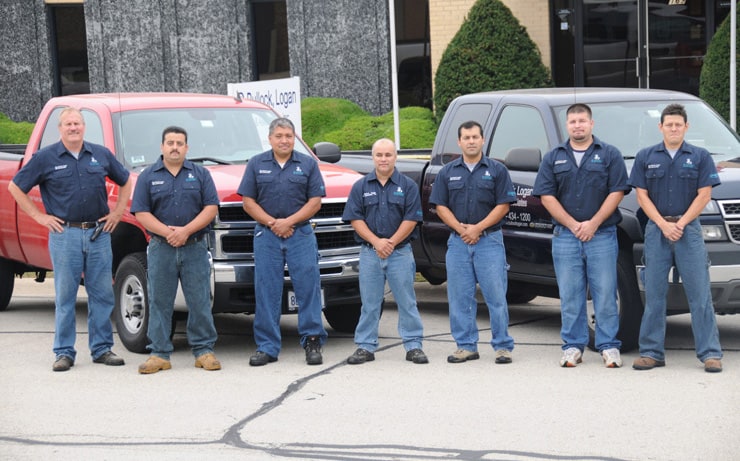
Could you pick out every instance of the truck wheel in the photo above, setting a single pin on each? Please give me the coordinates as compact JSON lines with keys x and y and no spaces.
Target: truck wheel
{"x":629,"y":304}
{"x":7,"y":282}
{"x":343,"y":319}
{"x":518,"y":297}
{"x":132,"y":308}
{"x":434,"y":277}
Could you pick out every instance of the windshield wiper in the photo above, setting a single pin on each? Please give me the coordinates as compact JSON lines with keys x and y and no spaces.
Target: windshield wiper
{"x":210,"y":159}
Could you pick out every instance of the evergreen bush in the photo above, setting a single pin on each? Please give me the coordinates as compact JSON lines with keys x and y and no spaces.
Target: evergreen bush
{"x":416,"y":125}
{"x":14,"y":132}
{"x":714,"y":84}
{"x":491,"y":51}
{"x":322,"y":115}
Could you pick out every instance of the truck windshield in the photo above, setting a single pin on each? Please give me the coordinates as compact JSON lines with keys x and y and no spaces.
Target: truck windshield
{"x":215,"y":135}
{"x":631,"y":126}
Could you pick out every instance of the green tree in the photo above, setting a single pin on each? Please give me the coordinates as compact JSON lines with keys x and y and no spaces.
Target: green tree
{"x":714,"y":86}
{"x":491,"y":51}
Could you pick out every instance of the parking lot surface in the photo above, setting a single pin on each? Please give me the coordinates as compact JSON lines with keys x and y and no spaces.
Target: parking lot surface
{"x":389,"y":409}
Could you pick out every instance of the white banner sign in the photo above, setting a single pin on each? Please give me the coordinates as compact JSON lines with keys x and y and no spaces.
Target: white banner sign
{"x":283,"y":95}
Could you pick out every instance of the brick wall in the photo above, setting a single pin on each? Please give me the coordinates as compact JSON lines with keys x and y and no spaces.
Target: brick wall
{"x":446,"y":16}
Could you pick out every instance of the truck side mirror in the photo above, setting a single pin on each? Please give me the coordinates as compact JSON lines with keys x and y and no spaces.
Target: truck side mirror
{"x":523,"y":159}
{"x":327,"y":152}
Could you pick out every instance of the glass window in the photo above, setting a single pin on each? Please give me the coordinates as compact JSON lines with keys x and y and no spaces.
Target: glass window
{"x":69,"y":50}
{"x":518,"y":126}
{"x":93,"y":128}
{"x":215,"y":136}
{"x":631,"y":126}
{"x":464,"y":113}
{"x":270,"y":29}
{"x":413,"y":53}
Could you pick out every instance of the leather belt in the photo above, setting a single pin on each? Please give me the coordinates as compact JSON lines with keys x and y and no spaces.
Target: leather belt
{"x":81,"y":225}
{"x":672,"y":218}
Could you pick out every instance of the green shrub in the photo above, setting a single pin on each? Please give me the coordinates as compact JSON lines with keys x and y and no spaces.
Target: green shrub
{"x":322,"y":115}
{"x":14,"y":132}
{"x":416,"y":125}
{"x":491,"y":51}
{"x":714,"y":86}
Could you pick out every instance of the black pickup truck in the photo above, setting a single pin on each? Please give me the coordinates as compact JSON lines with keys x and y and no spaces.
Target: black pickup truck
{"x":520,"y":126}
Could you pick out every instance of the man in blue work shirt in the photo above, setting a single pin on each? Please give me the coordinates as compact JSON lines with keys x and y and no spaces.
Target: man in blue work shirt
{"x":384,"y":209}
{"x":71,"y":174}
{"x":176,"y":200}
{"x":674,"y":181}
{"x":472,"y":195}
{"x":581,"y":183}
{"x":282,"y":190}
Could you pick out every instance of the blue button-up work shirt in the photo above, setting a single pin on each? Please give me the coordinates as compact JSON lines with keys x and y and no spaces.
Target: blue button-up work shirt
{"x":472,"y":195}
{"x":672,"y":183}
{"x":282,"y":191}
{"x":582,"y":190}
{"x":174,"y":200}
{"x":72,"y":189}
{"x":384,"y":208}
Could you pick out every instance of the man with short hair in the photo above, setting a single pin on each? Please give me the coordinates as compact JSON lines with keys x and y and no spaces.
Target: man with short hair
{"x":581,"y":183}
{"x":472,"y":196}
{"x":674,"y":181}
{"x":282,"y":191}
{"x":71,"y":174}
{"x":176,"y":200}
{"x":384,"y":209}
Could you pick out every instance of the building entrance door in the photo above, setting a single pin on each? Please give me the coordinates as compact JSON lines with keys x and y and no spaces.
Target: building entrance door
{"x":632,"y":43}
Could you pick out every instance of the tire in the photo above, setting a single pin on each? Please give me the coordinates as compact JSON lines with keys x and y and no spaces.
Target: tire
{"x":518,"y":297}
{"x":343,"y":319}
{"x":629,"y":304}
{"x":434,"y":277}
{"x":132,"y":305}
{"x":7,"y":282}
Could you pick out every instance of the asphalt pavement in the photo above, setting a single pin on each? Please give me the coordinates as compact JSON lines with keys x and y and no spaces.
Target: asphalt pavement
{"x":389,"y":409}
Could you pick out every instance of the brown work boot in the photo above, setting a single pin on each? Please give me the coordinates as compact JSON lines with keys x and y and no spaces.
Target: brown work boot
{"x":154,"y":364}
{"x":713,"y":365}
{"x":647,"y":363}
{"x":208,"y":361}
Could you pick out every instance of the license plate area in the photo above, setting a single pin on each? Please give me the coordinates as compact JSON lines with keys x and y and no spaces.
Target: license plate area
{"x":291,"y":303}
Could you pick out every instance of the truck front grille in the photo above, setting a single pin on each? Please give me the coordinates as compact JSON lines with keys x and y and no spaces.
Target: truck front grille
{"x":731,"y":214}
{"x":234,"y":213}
{"x":325,"y":240}
{"x":733,"y":230}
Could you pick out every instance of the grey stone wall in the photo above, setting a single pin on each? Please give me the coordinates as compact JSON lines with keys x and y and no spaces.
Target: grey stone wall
{"x":338,"y":48}
{"x":172,"y":45}
{"x":25,"y":66}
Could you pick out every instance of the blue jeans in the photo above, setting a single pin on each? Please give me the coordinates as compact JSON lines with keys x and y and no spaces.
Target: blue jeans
{"x":271,"y":253}
{"x":72,"y":254}
{"x":190,"y":267}
{"x":587,"y":265}
{"x":483,"y":263}
{"x":399,"y":269}
{"x":690,"y":257}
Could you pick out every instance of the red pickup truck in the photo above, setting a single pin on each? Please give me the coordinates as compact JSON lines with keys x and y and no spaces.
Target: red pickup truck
{"x":223,"y":133}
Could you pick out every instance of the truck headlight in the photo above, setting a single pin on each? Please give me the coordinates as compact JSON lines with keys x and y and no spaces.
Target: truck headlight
{"x":711,"y":208}
{"x":713,"y":233}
